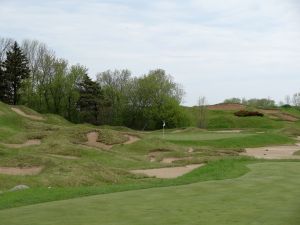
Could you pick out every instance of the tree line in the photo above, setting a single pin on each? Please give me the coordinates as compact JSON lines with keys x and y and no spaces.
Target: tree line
{"x":31,"y":74}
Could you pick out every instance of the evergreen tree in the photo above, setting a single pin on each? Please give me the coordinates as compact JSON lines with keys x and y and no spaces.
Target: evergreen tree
{"x":90,"y":100}
{"x":15,"y":71}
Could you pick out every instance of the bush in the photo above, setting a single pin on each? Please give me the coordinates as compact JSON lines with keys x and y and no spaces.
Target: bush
{"x":244,"y":113}
{"x":286,"y":106}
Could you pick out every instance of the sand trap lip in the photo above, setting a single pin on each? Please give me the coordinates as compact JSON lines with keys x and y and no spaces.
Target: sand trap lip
{"x":167,"y":173}
{"x":274,"y":152}
{"x":131,"y":139}
{"x":173,"y":159}
{"x":20,"y":171}
{"x":93,"y":141}
{"x":20,"y":112}
{"x":30,"y":142}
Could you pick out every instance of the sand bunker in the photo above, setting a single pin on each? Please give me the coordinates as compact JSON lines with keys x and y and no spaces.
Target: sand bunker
{"x":227,"y":131}
{"x":20,"y":171}
{"x":173,"y":159}
{"x":20,"y":112}
{"x":131,"y":139}
{"x":171,"y":172}
{"x":274,"y":152}
{"x":93,"y":141}
{"x":26,"y":144}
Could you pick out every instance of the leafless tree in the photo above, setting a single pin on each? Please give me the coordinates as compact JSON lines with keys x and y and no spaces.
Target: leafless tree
{"x":202,"y":112}
{"x":5,"y":44}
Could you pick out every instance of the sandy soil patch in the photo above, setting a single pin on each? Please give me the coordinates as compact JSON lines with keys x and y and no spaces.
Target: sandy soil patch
{"x":92,"y":141}
{"x":171,"y":172}
{"x":173,"y":159}
{"x":274,"y":152}
{"x":26,"y":144}
{"x":20,"y":171}
{"x":64,"y":156}
{"x":224,"y":106}
{"x":190,"y":150}
{"x":227,"y":131}
{"x":20,"y":112}
{"x":131,"y":139}
{"x":154,"y":153}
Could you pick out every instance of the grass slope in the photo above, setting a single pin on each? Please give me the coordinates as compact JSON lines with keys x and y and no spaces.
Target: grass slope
{"x":268,"y":195}
{"x":98,"y":171}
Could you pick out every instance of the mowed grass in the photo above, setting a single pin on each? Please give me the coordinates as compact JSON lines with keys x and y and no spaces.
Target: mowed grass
{"x":215,"y":170}
{"x":97,"y":171}
{"x":223,"y":140}
{"x":269,"y":194}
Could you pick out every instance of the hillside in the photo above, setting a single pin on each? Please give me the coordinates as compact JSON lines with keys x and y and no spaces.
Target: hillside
{"x":59,"y":160}
{"x":222,"y":116}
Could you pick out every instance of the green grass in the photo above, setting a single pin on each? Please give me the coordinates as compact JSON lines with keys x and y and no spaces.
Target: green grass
{"x":255,"y":140}
{"x":268,"y":195}
{"x":219,"y":119}
{"x":97,"y":171}
{"x":216,"y":170}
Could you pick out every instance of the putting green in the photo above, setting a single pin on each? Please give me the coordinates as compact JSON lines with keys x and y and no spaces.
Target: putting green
{"x":268,"y":195}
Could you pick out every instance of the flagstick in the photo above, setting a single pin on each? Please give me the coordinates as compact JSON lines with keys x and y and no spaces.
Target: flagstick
{"x":164,"y":124}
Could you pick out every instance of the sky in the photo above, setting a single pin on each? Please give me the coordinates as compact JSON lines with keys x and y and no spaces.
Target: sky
{"x":214,"y":48}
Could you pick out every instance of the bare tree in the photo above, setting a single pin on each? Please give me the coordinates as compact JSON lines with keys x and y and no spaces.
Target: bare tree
{"x":287,"y":100}
{"x":202,"y":112}
{"x":296,"y":99}
{"x":5,"y":44}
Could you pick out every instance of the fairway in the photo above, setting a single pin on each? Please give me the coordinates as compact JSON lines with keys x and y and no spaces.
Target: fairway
{"x":200,"y":136}
{"x":269,"y":194}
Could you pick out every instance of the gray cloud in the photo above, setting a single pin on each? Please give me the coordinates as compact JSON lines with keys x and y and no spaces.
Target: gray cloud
{"x":216,"y":48}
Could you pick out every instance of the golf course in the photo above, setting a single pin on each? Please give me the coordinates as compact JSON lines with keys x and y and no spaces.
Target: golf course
{"x":240,"y":170}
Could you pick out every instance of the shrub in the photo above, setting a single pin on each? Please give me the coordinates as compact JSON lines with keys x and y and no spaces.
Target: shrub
{"x":244,"y":113}
{"x":286,"y":106}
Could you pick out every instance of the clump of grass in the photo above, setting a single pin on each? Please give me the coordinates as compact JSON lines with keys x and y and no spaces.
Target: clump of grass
{"x":111,"y":137}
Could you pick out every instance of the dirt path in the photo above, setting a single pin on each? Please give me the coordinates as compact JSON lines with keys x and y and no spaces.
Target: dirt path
{"x":30,"y":142}
{"x":171,"y":172}
{"x":20,"y":171}
{"x":274,"y":152}
{"x":93,"y":141}
{"x":20,"y":112}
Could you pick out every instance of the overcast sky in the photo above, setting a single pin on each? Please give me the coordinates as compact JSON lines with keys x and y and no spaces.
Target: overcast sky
{"x":215,"y":48}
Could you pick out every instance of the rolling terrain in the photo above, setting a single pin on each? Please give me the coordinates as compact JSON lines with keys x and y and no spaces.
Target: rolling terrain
{"x":59,"y":160}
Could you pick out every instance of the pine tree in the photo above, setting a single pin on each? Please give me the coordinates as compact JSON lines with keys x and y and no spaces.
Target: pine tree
{"x":90,"y":101}
{"x":15,"y":71}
